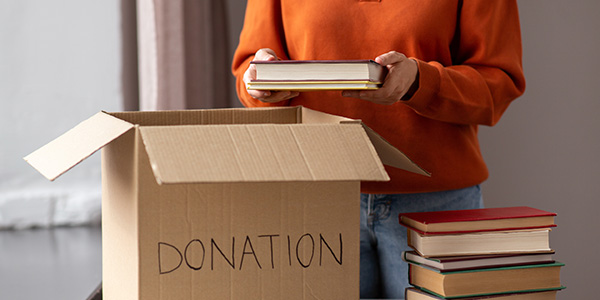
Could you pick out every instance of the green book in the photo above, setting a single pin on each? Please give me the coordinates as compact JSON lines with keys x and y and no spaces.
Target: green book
{"x":417,"y":294}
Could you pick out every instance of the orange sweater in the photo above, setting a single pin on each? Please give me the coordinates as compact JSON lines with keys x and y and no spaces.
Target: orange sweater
{"x":469,"y":58}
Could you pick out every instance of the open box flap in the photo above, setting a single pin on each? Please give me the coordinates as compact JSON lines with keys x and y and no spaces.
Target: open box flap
{"x":259,"y":153}
{"x":391,"y":156}
{"x":77,"y":144}
{"x":388,"y":154}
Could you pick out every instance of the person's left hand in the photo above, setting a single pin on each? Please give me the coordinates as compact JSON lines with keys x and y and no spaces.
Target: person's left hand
{"x":402,"y":74}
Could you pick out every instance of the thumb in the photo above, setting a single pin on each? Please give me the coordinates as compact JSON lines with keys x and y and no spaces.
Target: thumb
{"x":250,"y":74}
{"x":265,"y":54}
{"x":390,"y":58}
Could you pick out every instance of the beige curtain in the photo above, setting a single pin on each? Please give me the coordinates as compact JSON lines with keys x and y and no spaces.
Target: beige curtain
{"x":182,"y":50}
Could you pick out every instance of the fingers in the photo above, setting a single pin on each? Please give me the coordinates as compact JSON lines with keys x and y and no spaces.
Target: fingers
{"x":265,"y":54}
{"x":262,"y":54}
{"x":383,"y":95}
{"x":402,"y":73}
{"x":250,"y":74}
{"x":266,"y":96}
{"x":258,"y":94}
{"x":390,"y":58}
{"x":272,"y":96}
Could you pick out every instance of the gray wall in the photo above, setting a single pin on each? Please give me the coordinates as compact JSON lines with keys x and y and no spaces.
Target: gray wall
{"x":543,"y":153}
{"x":60,"y":62}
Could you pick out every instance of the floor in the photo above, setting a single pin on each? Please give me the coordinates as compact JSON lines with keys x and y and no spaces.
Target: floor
{"x":64,"y":263}
{"x":54,"y":264}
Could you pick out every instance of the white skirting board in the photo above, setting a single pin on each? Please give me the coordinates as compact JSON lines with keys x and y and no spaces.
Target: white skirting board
{"x":45,"y":207}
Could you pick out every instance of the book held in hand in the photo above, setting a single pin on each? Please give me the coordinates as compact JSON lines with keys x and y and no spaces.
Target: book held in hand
{"x":309,"y":75}
{"x":312,"y":85}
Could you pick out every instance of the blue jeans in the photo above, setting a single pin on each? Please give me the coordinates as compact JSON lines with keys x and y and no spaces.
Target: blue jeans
{"x":383,"y":274}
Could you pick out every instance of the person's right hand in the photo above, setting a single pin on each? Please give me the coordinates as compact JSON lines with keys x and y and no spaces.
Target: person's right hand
{"x":265,"y":96}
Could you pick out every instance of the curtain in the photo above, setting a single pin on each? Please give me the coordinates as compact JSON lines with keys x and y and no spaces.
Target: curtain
{"x":182,"y":51}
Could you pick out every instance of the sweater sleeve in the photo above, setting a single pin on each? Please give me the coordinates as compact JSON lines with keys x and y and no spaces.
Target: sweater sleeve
{"x":262,"y":29}
{"x":486,"y":73}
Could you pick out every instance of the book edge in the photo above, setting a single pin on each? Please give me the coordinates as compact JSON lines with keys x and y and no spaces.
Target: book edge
{"x":282,"y":62}
{"x":529,"y":266}
{"x":540,"y":213}
{"x":429,"y":233}
{"x":490,"y":294}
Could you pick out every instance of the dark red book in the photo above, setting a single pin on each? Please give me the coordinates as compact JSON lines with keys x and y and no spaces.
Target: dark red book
{"x":477,"y":220}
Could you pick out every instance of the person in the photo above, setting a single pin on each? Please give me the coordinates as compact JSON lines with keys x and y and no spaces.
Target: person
{"x":453,"y":65}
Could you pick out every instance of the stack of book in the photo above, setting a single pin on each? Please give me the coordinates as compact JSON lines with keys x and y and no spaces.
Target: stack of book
{"x":309,"y":75}
{"x":493,"y":253}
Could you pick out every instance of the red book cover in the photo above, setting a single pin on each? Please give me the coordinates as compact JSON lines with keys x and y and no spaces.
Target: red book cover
{"x":470,"y":218}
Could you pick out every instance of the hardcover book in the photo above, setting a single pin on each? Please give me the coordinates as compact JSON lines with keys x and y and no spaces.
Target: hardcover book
{"x":475,"y":220}
{"x":307,"y":75}
{"x":416,"y":294}
{"x":459,"y":263}
{"x":312,"y":85}
{"x":476,"y":283}
{"x":480,"y":243}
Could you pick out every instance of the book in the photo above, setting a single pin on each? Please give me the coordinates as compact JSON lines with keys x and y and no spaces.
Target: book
{"x":480,"y":243}
{"x":472,"y":220}
{"x":320,"y":70}
{"x":460,"y":263}
{"x":307,"y":75}
{"x":416,"y":294}
{"x":481,"y":282}
{"x":313,"y":85}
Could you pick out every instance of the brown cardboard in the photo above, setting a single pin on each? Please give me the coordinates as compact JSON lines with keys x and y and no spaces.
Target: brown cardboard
{"x":77,"y":144}
{"x":227,"y":204}
{"x":265,"y":152}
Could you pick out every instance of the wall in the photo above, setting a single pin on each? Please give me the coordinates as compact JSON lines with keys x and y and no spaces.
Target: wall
{"x":59,"y":64}
{"x":543,"y":153}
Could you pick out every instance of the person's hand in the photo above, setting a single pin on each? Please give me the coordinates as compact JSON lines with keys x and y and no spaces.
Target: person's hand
{"x":402,"y":73}
{"x":265,"y":96}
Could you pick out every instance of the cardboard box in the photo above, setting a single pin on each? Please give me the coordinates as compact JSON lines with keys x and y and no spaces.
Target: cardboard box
{"x":227,"y":203}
